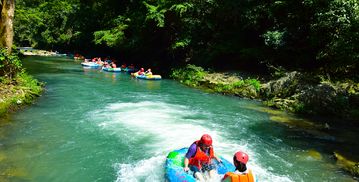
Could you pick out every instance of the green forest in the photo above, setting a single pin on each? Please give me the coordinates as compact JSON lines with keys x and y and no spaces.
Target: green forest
{"x":308,"y":35}
{"x":315,"y":37}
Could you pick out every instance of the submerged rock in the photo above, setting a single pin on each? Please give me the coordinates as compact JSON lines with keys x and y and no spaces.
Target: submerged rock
{"x":348,"y":165}
{"x":315,"y":154}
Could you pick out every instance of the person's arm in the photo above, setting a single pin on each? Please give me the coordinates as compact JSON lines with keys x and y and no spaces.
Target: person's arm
{"x":190,"y":153}
{"x":217,"y":158}
{"x":186,"y":161}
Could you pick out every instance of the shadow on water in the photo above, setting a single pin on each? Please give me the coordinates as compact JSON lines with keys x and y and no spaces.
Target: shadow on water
{"x":52,"y":65}
{"x":317,"y":136}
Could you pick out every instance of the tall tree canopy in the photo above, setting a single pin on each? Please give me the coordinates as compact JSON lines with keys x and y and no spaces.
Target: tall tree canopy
{"x":309,"y":34}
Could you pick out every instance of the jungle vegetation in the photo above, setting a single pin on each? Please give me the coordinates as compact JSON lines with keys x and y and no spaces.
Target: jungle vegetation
{"x":308,"y":35}
{"x":16,"y":86}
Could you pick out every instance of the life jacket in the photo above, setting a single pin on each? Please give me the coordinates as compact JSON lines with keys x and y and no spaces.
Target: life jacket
{"x":201,"y":157}
{"x":233,"y":177}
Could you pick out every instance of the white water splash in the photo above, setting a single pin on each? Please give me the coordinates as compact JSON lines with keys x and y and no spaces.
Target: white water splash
{"x":168,"y":127}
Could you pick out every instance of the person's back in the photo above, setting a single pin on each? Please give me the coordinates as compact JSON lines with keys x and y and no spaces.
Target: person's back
{"x":246,"y":176}
{"x":241,"y":174}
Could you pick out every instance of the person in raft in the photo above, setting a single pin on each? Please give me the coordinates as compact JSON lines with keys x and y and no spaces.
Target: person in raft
{"x":199,"y":158}
{"x":141,"y":71}
{"x":241,"y":173}
{"x":148,"y":72}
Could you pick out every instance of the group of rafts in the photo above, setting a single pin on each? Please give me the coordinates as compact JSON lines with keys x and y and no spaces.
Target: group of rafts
{"x":130,"y":69}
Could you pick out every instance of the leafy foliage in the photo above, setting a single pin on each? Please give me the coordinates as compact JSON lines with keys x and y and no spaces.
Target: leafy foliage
{"x":337,"y":26}
{"x":190,"y":75}
{"x":155,"y":13}
{"x":114,"y":36}
{"x":45,"y":23}
{"x":10,"y":64}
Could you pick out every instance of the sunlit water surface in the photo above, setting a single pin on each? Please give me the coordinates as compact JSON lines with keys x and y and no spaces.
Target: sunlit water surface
{"x":91,"y":125}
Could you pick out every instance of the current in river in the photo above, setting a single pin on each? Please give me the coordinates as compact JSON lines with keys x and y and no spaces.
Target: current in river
{"x":91,"y":125}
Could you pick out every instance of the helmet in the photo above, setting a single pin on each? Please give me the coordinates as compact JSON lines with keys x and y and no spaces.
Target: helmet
{"x":142,"y":69}
{"x":206,"y":140}
{"x":241,"y":157}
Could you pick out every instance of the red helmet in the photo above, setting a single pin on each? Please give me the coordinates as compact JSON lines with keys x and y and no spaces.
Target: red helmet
{"x":206,"y":140}
{"x":241,"y":157}
{"x":142,"y":69}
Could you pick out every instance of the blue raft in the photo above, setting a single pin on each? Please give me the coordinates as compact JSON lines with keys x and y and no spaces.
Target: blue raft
{"x":90,"y":64}
{"x":111,"y":69}
{"x":174,"y":167}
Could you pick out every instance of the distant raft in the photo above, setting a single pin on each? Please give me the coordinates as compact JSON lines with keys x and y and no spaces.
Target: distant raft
{"x":147,"y":77}
{"x":111,"y":69}
{"x":174,"y":167}
{"x":90,"y":64}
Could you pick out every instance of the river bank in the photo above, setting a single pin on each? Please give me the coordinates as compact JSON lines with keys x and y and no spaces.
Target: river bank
{"x":300,"y":93}
{"x":18,"y":92}
{"x":296,"y":92}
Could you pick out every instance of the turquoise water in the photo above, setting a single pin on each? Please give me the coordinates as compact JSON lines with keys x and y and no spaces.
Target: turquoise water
{"x":91,"y":125}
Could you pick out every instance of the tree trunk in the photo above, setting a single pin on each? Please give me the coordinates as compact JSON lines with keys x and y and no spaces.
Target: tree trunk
{"x":6,"y":23}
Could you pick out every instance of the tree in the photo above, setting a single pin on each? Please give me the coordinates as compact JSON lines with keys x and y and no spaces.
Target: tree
{"x":6,"y":23}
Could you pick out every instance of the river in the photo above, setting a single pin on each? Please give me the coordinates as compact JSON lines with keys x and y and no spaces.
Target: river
{"x":91,"y":125}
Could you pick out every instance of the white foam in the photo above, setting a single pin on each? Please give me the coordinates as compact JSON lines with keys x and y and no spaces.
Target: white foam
{"x":164,"y":122}
{"x":168,"y":127}
{"x":144,"y":170}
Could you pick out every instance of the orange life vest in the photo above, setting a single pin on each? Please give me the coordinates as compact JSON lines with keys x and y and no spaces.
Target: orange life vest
{"x":201,"y":157}
{"x":233,"y":177}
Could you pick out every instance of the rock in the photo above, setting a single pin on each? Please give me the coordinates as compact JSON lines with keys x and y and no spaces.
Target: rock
{"x":283,"y":87}
{"x":346,"y":164}
{"x":324,"y":98}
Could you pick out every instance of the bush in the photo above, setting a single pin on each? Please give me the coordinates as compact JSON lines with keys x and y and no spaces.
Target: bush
{"x":190,"y":75}
{"x":254,"y":82}
{"x":10,"y":64}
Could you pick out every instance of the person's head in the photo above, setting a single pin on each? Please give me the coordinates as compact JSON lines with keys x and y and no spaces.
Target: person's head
{"x":206,"y":141}
{"x":142,"y":69}
{"x":240,"y":160}
{"x":149,"y":69}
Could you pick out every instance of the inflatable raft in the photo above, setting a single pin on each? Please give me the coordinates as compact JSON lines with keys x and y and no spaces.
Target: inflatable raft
{"x":112,"y":69}
{"x":90,"y":64}
{"x":147,"y":77}
{"x":174,"y":167}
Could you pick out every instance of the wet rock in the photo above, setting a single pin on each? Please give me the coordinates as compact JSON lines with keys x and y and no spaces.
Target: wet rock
{"x":315,"y":154}
{"x":346,"y":164}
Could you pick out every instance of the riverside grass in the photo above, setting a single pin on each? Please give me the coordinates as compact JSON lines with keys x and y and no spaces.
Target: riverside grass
{"x":19,"y":91}
{"x":196,"y":76}
{"x":17,"y":88}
